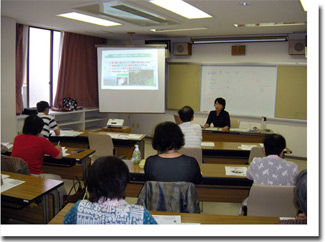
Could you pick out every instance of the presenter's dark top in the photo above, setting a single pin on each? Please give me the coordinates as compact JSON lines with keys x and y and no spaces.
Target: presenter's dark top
{"x":219,"y":121}
{"x":182,"y":168}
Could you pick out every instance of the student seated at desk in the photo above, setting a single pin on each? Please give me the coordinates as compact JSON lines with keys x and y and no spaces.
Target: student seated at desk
{"x":220,"y":117}
{"x":169,"y":165}
{"x":192,"y":132}
{"x":43,"y":109}
{"x":107,"y":180}
{"x":272,"y":169}
{"x":31,"y":147}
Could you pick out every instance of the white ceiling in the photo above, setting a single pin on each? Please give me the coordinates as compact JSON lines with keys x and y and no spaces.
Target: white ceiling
{"x":42,"y":13}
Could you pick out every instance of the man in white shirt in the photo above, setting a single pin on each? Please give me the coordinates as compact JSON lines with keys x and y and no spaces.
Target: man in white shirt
{"x":43,"y":109}
{"x":192,"y":132}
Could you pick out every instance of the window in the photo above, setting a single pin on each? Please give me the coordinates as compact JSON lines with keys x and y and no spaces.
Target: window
{"x":43,"y":66}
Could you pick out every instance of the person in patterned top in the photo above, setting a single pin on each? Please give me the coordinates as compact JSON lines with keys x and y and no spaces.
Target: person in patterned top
{"x":43,"y":109}
{"x":107,"y":180}
{"x":273,"y":169}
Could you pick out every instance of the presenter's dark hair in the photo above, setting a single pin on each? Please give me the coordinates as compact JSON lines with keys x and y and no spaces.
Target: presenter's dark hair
{"x":33,"y":125}
{"x":186,"y":113}
{"x":301,"y":191}
{"x":107,"y":177}
{"x":167,"y":136}
{"x":274,"y":144}
{"x":221,"y":101}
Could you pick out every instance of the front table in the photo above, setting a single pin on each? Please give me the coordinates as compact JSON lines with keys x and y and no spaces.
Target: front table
{"x":192,"y":218}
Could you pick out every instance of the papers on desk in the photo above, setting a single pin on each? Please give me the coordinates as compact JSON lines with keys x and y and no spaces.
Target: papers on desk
{"x":7,"y":144}
{"x":125,"y":136}
{"x":213,"y":128}
{"x":249,"y":147}
{"x":9,"y":183}
{"x":235,"y":171}
{"x":209,"y":144}
{"x":165,"y":219}
{"x":69,"y":133}
{"x":65,"y":152}
{"x":239,"y":130}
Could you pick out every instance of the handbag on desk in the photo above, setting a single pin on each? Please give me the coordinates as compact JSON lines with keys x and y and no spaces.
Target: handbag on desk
{"x":79,"y":192}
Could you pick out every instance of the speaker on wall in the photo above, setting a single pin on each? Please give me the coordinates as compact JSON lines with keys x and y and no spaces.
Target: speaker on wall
{"x":182,"y":49}
{"x":297,"y":46}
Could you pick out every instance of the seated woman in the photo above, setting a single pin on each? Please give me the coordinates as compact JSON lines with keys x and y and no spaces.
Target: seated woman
{"x":219,"y":117}
{"x":107,"y":180}
{"x":169,"y":165}
{"x":31,"y":147}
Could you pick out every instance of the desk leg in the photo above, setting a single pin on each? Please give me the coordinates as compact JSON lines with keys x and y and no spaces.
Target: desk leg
{"x":84,"y":163}
{"x":141,"y":147}
{"x":46,"y":210}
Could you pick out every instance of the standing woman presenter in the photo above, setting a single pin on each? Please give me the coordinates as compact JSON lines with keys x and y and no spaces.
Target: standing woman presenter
{"x":219,"y":117}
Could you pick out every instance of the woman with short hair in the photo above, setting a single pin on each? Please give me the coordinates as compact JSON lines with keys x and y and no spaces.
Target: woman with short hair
{"x":169,"y":164}
{"x":106,"y":182}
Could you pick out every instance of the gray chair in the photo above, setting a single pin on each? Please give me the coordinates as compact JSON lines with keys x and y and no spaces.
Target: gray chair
{"x":102,"y":143}
{"x":193,"y":152}
{"x":255,"y":152}
{"x":180,"y":197}
{"x":14,"y":164}
{"x":271,"y":201}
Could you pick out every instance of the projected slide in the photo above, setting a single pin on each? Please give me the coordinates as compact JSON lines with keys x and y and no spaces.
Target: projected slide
{"x":130,"y":69}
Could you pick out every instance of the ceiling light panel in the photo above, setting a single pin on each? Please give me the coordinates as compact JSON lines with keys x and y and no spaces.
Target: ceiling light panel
{"x":88,"y":19}
{"x":181,"y":8}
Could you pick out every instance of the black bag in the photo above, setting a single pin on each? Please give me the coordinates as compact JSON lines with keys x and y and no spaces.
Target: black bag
{"x":30,"y":111}
{"x":69,"y":104}
{"x":79,"y":192}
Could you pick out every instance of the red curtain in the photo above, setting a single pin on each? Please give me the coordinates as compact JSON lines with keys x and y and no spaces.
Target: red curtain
{"x":78,"y":70}
{"x":21,"y":45}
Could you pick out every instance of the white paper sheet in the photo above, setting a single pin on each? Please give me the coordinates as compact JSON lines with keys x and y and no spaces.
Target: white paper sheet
{"x":210,"y":144}
{"x":213,"y":128}
{"x":249,"y":147}
{"x":235,"y":171}
{"x":69,"y":133}
{"x":7,"y":144}
{"x":166,"y":219}
{"x":239,"y":130}
{"x":9,"y":183}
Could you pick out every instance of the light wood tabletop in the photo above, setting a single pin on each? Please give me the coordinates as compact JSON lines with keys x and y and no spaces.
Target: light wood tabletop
{"x":32,"y":188}
{"x":192,"y":218}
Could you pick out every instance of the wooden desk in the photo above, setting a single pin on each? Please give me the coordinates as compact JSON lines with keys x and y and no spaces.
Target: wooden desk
{"x":215,"y":187}
{"x":234,"y":136}
{"x":124,"y":129}
{"x":123,"y":142}
{"x":229,"y":152}
{"x":69,"y":166}
{"x":192,"y":218}
{"x":26,"y":193}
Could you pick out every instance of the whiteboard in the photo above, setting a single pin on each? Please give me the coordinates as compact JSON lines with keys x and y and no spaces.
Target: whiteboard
{"x":248,"y":90}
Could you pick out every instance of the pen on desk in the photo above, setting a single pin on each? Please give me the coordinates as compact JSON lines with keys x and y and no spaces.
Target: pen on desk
{"x":59,"y":143}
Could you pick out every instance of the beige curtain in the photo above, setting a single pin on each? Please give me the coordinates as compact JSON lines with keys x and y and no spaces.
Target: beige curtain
{"x":78,"y":70}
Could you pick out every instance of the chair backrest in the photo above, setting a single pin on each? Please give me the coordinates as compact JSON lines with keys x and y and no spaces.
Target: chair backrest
{"x":193,"y":152}
{"x":255,"y":152}
{"x":177,"y":119}
{"x":14,"y":164}
{"x":178,"y":197}
{"x":234,"y":123}
{"x":271,"y":201}
{"x":102,"y":143}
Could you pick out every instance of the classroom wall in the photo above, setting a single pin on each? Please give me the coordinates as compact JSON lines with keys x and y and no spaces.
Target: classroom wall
{"x":295,"y":131}
{"x":8,"y":77}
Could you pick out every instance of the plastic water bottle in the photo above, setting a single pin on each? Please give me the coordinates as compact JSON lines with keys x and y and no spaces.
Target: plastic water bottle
{"x":136,"y":156}
{"x":263,"y":123}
